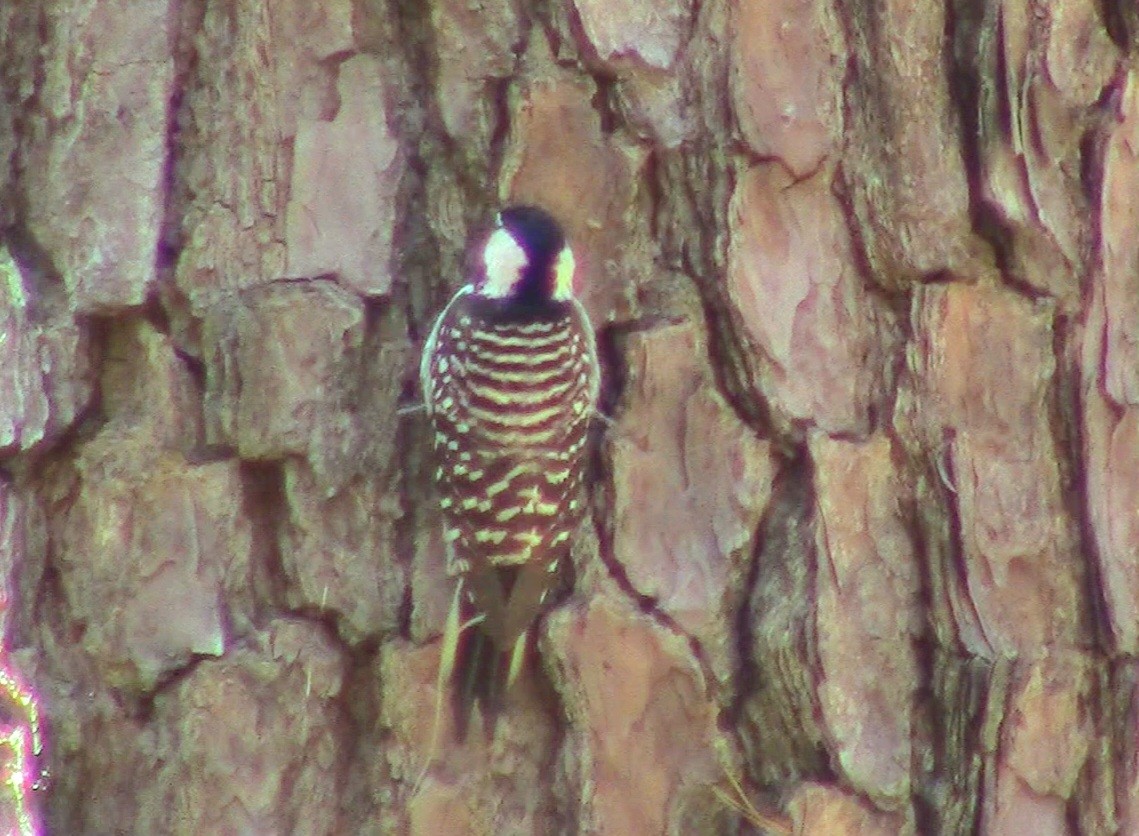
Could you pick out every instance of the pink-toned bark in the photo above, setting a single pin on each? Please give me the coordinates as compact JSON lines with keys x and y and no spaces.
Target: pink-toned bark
{"x":690,"y":484}
{"x":793,"y":279}
{"x":862,"y":539}
{"x":95,"y":154}
{"x":787,"y":75}
{"x":868,"y":617}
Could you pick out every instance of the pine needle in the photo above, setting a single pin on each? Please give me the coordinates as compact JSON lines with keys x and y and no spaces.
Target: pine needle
{"x":452,"y":630}
{"x":737,"y":800}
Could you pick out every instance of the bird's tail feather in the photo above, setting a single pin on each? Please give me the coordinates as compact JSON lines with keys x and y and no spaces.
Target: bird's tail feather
{"x":477,"y":681}
{"x":483,"y":674}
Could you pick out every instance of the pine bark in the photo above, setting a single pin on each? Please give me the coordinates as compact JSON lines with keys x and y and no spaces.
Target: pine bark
{"x":863,"y":552}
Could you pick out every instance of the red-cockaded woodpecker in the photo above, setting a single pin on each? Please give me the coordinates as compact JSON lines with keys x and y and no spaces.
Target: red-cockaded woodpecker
{"x":510,"y":380}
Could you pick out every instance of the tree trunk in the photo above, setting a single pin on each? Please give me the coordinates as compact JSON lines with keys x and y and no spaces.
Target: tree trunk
{"x":864,"y":547}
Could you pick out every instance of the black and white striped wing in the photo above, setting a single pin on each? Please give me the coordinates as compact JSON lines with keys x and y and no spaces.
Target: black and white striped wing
{"x":511,"y":403}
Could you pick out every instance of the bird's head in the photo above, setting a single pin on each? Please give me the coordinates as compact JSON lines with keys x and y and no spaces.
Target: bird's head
{"x":526,"y":259}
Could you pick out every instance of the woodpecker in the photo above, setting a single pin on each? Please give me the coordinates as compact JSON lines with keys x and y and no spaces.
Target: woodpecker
{"x":510,"y":380}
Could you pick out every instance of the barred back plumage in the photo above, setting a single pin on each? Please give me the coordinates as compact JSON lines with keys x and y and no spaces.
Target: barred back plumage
{"x":511,"y":392}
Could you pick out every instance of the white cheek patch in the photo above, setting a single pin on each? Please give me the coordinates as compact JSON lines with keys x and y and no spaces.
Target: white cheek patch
{"x":564,"y":268}
{"x":504,"y":261}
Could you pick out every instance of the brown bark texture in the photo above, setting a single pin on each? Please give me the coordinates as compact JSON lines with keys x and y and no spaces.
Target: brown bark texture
{"x":863,"y":554}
